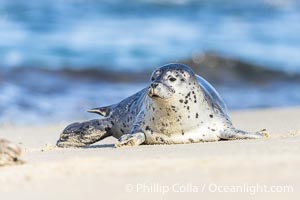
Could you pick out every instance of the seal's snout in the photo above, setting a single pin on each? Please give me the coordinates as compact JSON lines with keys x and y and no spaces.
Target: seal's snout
{"x":154,"y":85}
{"x":153,"y":90}
{"x":159,"y":91}
{"x":150,"y":92}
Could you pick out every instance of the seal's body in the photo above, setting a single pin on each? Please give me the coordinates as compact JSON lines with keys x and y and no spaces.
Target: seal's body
{"x":177,"y":107}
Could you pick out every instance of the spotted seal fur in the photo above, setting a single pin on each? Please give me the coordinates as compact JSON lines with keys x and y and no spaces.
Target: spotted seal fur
{"x":177,"y":107}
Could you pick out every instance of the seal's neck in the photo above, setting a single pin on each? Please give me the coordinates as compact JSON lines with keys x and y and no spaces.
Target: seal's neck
{"x":181,"y":108}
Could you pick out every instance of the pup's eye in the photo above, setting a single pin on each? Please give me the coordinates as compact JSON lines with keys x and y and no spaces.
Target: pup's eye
{"x":152,"y":79}
{"x":172,"y":79}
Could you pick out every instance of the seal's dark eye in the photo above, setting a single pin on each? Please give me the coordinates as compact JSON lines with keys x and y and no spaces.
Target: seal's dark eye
{"x":172,"y":79}
{"x":152,"y":79}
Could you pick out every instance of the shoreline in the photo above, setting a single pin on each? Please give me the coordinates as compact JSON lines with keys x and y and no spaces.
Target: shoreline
{"x":103,"y":171}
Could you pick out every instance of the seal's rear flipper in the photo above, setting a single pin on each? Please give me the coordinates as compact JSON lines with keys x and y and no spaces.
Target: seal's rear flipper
{"x":104,"y":111}
{"x":85,"y":133}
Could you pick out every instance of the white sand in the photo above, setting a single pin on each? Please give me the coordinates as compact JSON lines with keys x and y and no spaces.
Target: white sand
{"x":148,"y":172}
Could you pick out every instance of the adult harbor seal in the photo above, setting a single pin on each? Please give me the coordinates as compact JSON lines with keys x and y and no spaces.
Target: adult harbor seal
{"x":178,"y":107}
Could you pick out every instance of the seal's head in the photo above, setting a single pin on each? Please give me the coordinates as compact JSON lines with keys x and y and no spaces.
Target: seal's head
{"x":170,"y":80}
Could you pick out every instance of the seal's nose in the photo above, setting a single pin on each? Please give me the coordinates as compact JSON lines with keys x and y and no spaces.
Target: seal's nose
{"x":154,"y":85}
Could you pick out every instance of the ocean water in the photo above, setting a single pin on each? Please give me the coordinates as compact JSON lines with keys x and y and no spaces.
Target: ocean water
{"x":135,"y":36}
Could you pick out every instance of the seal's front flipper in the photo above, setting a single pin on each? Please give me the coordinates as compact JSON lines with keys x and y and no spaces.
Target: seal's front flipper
{"x":235,"y":134}
{"x":104,"y":111}
{"x":134,"y":139}
{"x":85,"y":133}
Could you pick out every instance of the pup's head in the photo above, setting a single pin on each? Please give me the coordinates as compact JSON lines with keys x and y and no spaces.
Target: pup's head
{"x":169,"y":81}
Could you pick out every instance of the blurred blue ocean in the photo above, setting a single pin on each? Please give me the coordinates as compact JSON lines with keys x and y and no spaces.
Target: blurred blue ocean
{"x":135,"y":36}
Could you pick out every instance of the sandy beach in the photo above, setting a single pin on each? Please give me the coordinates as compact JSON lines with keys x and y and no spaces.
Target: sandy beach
{"x":247,"y":169}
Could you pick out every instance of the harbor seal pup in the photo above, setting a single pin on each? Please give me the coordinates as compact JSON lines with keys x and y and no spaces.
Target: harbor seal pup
{"x":177,"y":107}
